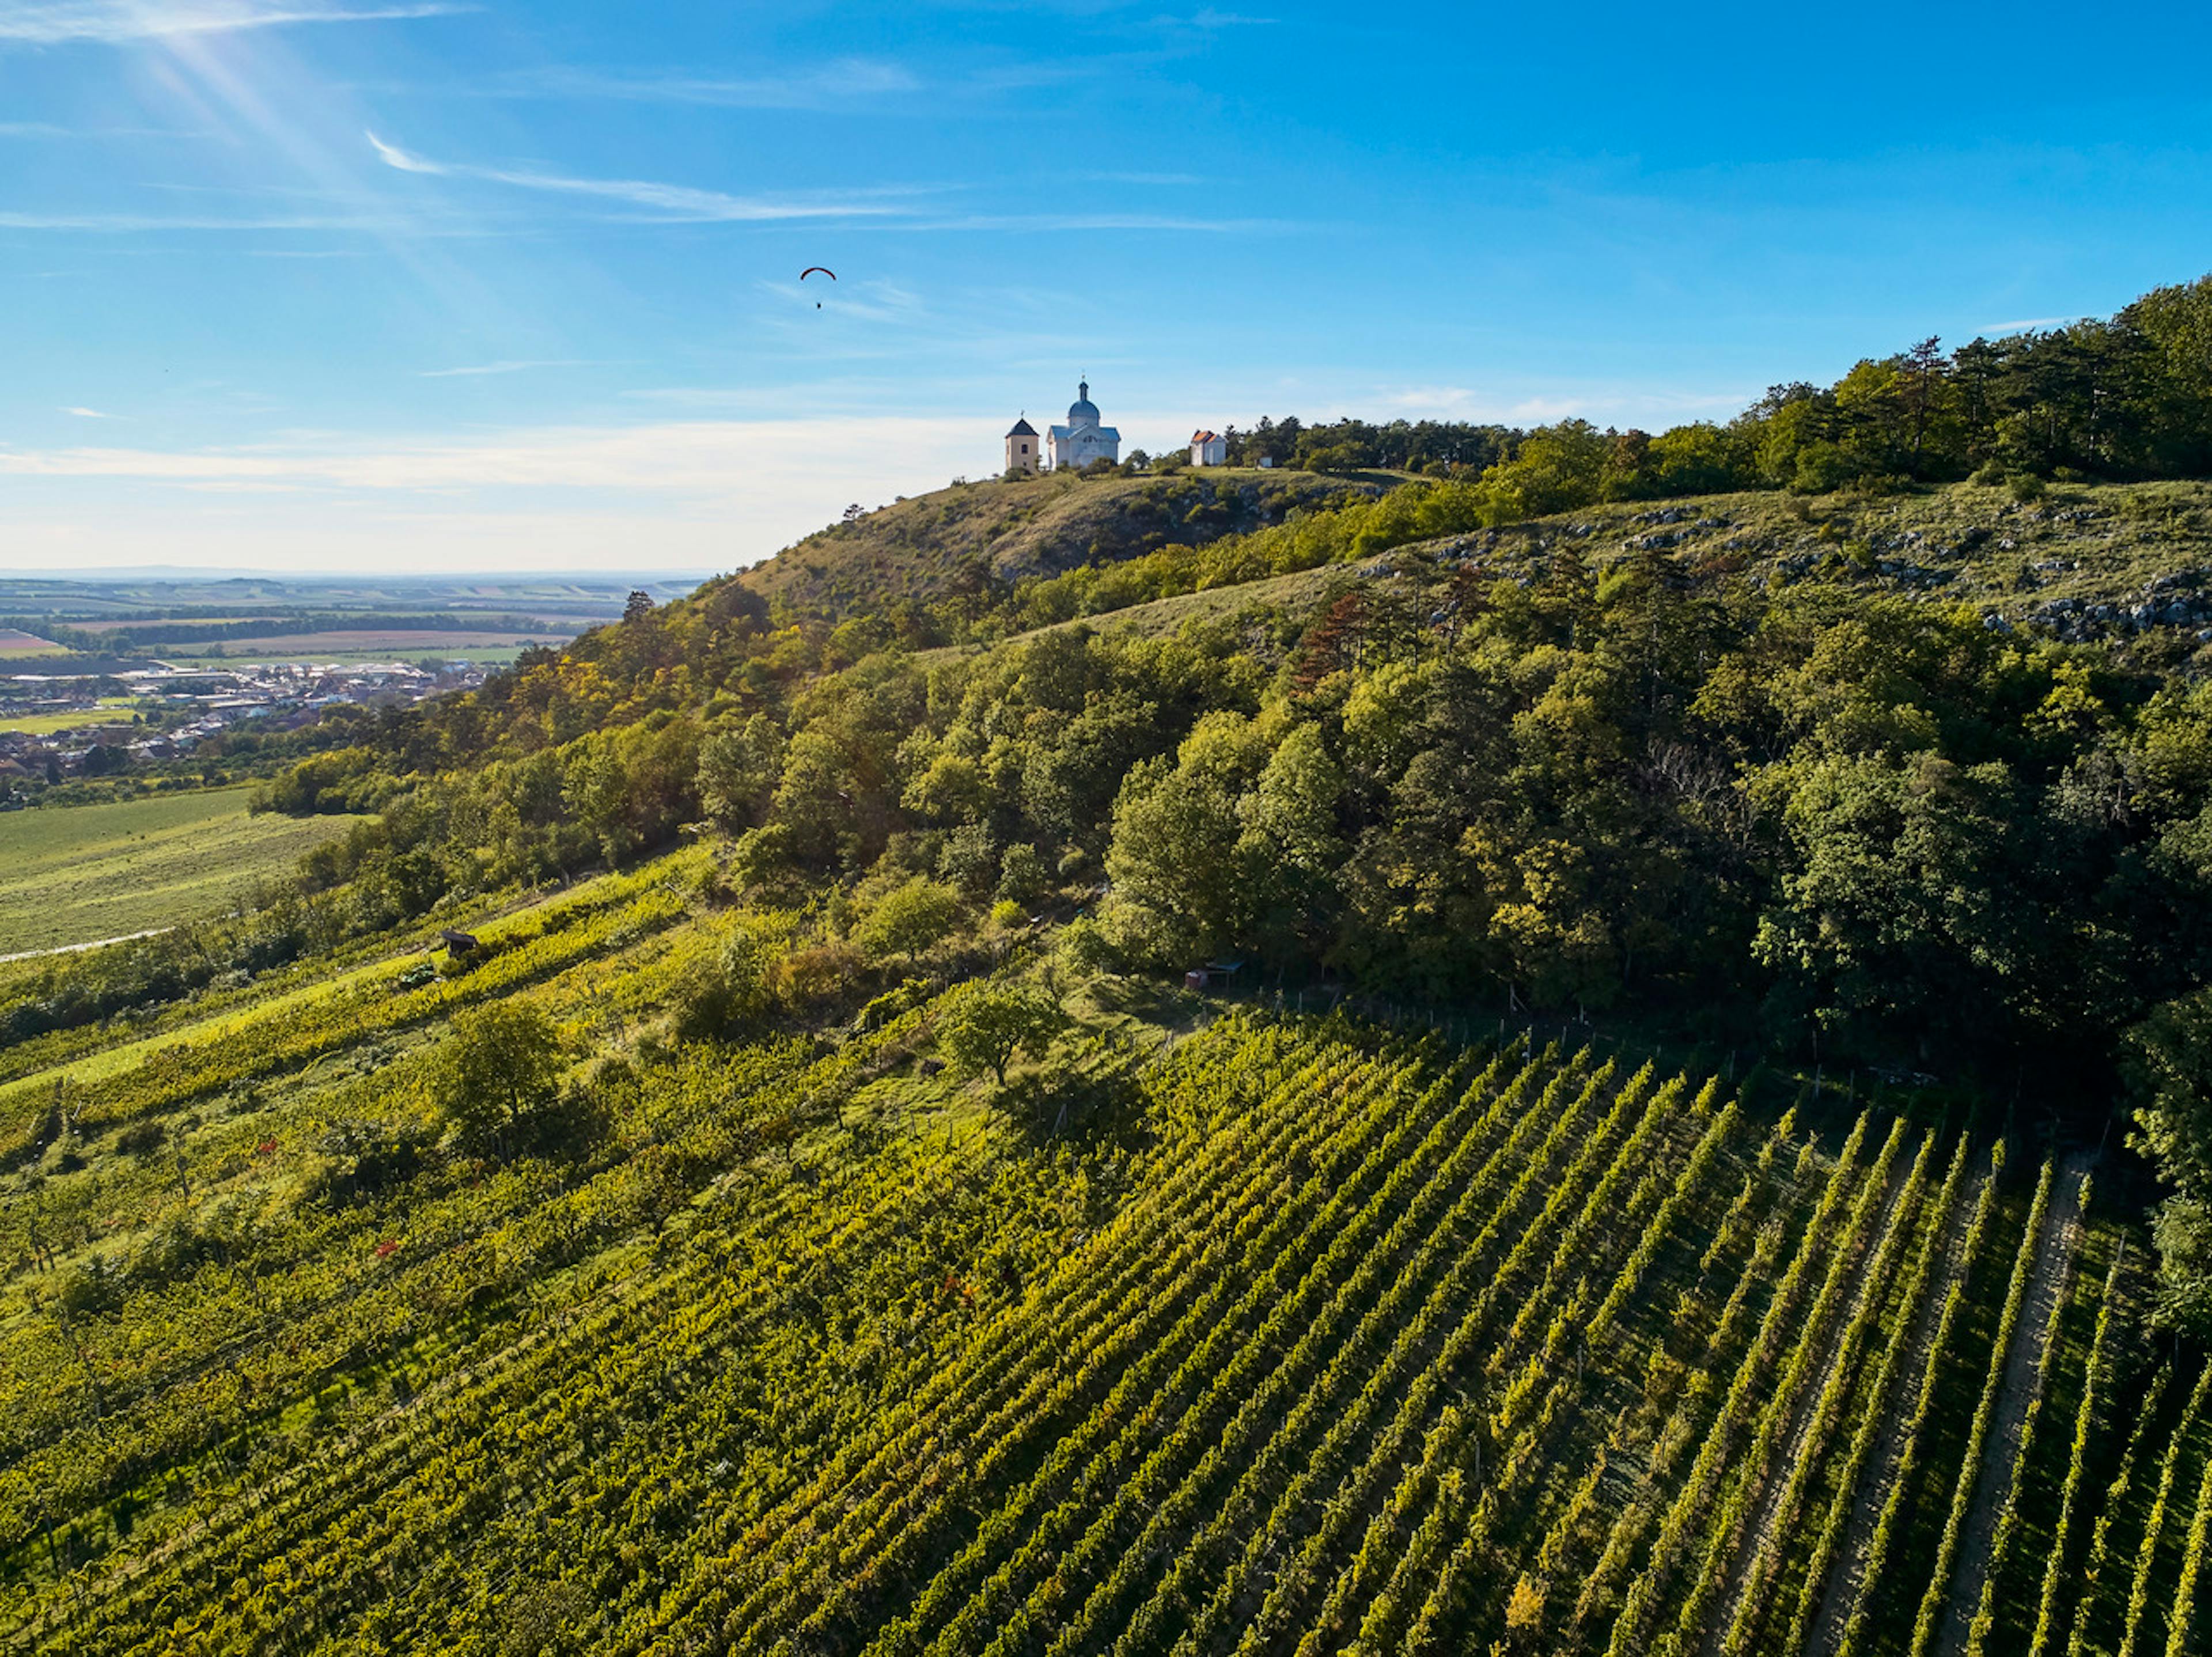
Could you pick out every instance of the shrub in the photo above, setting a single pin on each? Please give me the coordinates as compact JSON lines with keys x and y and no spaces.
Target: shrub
{"x":808,"y":978}
{"x":1021,"y":873}
{"x":723,"y":990}
{"x":91,"y":1289}
{"x":358,"y":1159}
{"x":892,"y":1003}
{"x":1085,"y":950}
{"x":1821,"y":468}
{"x":907,"y":920}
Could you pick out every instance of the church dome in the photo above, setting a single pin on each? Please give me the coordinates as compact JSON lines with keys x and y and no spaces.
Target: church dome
{"x":1083,"y":412}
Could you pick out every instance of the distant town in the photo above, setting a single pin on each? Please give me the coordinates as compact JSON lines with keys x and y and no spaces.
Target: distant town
{"x":105,"y":678}
{"x":168,"y":712}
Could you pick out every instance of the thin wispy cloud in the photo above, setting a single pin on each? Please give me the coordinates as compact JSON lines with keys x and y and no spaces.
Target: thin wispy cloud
{"x":870,"y":301}
{"x":1049,"y":221}
{"x":673,"y":457}
{"x":51,"y":129}
{"x":1606,"y":403}
{"x":675,"y":203}
{"x":2025,"y":325}
{"x":504,"y":367}
{"x":125,"y":223}
{"x":90,"y":414}
{"x":702,"y":494}
{"x":820,"y":86}
{"x":56,"y":22}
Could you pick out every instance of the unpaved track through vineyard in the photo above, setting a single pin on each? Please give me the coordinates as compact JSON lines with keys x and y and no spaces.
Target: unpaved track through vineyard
{"x":2023,"y":1379}
{"x":1768,"y":1512}
{"x":1844,"y":1577}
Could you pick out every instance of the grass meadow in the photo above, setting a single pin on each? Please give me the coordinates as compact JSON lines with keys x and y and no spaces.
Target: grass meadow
{"x":114,"y":710}
{"x":78,"y":874}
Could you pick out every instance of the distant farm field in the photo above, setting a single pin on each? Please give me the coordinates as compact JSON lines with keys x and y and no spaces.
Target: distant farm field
{"x":340,"y":643}
{"x":15,"y":643}
{"x":79,"y":874}
{"x":115,"y":710}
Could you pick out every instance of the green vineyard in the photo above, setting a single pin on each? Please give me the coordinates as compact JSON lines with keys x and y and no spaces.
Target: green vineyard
{"x":1344,"y":1341}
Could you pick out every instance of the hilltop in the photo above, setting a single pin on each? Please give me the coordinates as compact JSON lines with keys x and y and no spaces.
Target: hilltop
{"x":2127,"y":564}
{"x":953,"y":539}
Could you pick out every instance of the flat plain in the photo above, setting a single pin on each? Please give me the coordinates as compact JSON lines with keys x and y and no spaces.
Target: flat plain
{"x":113,"y":709}
{"x":76,"y":875}
{"x":345,"y":644}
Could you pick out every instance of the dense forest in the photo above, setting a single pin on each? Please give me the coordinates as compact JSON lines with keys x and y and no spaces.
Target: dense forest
{"x":2118,"y":397}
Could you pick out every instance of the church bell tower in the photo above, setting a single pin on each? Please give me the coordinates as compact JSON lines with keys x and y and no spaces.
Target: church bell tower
{"x":1022,"y":447}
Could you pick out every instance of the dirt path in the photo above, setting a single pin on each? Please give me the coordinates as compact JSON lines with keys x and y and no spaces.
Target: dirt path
{"x":79,"y":949}
{"x":1844,"y":1576}
{"x":1766,"y":1515}
{"x":2022,"y":1384}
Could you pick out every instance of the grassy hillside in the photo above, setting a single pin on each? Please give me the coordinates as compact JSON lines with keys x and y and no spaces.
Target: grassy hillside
{"x":76,"y":874}
{"x":2086,"y":562}
{"x":2122,"y":565}
{"x":2081,"y":562}
{"x":928,"y":547}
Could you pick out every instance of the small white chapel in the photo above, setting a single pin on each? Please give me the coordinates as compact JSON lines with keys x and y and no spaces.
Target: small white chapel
{"x":1080,"y":441}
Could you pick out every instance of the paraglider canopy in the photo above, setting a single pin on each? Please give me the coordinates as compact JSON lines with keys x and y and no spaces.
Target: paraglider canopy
{"x":811,"y":270}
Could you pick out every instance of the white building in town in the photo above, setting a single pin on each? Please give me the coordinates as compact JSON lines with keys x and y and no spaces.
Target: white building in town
{"x":1083,"y":439}
{"x":1208,"y":449}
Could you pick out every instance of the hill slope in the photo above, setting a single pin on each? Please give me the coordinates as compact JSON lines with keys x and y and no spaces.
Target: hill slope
{"x":1325,"y":1340}
{"x":925,"y":546}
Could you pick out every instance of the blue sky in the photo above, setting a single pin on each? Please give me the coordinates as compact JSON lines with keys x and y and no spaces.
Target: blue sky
{"x":346,"y":285}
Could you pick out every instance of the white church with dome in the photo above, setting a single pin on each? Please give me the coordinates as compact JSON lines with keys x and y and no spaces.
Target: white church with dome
{"x":1080,"y":441}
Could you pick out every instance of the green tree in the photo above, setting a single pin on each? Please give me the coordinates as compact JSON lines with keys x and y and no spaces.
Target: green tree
{"x":500,"y":1066}
{"x":1901,"y":908}
{"x":907,"y":920}
{"x":1922,"y":394}
{"x":2168,"y":1059}
{"x":988,"y":1028}
{"x":725,"y":989}
{"x":1290,"y":848}
{"x":1178,"y":890}
{"x":1557,"y":468}
{"x":737,"y":772}
{"x":1022,"y":875}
